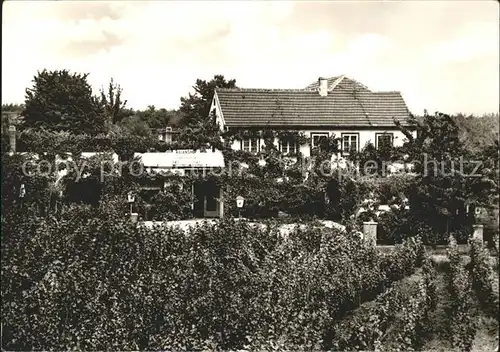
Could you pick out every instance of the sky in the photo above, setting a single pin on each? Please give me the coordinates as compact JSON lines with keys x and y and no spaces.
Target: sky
{"x":441,"y":55}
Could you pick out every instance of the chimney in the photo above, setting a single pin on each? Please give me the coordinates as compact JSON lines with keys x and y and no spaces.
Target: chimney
{"x":168,"y":135}
{"x":323,"y":86}
{"x":12,"y":138}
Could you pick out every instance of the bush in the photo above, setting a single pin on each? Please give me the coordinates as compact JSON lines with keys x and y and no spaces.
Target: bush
{"x":396,"y":320}
{"x":399,"y":224}
{"x":403,"y":260}
{"x":90,"y":280}
{"x":481,"y":273}
{"x":462,"y":331}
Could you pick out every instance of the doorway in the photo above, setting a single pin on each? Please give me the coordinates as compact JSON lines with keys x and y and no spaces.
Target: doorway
{"x":208,"y":200}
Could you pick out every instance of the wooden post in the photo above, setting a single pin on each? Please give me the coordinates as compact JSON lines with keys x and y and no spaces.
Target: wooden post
{"x":370,"y":232}
{"x":134,"y":217}
{"x":192,"y":197}
{"x":221,"y":202}
{"x":12,"y":138}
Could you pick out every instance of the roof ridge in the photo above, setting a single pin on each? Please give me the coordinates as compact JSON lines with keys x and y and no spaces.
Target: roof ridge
{"x":337,"y":82}
{"x":299,"y":90}
{"x":384,"y":91}
{"x":263,"y":89}
{"x":358,"y":82}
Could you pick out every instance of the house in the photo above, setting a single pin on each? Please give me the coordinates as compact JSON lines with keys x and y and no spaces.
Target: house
{"x":167,"y":134}
{"x":207,"y":196}
{"x":337,"y":106}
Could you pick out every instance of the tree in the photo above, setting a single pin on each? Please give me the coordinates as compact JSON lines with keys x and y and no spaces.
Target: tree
{"x":159,"y":118}
{"x":113,"y":106}
{"x":133,"y":125}
{"x":446,"y":179}
{"x":478,"y":132}
{"x":12,"y":107}
{"x":63,"y":101}
{"x":10,"y":115}
{"x":196,"y":106}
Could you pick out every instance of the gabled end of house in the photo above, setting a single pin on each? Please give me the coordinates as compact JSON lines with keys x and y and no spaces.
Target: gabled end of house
{"x":338,"y":105}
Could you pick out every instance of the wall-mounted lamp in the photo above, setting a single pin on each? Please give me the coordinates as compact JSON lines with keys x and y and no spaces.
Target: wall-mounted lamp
{"x":131,"y":200}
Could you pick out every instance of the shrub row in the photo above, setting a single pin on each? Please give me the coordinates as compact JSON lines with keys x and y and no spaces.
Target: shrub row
{"x":496,"y":250}
{"x":92,"y":281}
{"x":123,"y":145}
{"x":482,"y":274}
{"x":462,"y":329}
{"x":396,"y":320}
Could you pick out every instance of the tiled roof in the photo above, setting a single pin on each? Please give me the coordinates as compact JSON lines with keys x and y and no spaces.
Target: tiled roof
{"x":340,"y":83}
{"x":299,"y":107}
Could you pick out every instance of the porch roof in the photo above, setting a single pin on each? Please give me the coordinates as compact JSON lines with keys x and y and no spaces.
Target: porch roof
{"x":182,"y":159}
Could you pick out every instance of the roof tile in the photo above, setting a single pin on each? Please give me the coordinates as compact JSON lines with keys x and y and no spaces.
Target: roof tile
{"x":301,"y":107}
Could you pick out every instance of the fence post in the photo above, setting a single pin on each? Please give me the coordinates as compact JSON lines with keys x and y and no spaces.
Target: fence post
{"x":477,"y":232}
{"x":134,"y":217}
{"x":12,"y":138}
{"x":370,"y":232}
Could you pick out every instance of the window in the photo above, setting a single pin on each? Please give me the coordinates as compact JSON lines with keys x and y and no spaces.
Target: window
{"x":288,"y":147}
{"x":349,"y":142}
{"x":317,"y":139}
{"x":250,"y":145}
{"x":384,"y":140}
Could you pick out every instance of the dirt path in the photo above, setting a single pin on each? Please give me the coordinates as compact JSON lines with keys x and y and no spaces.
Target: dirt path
{"x":284,"y":229}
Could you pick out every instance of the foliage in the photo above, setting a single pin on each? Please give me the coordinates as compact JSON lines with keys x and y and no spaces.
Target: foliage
{"x":403,"y":260}
{"x":114,"y":108}
{"x":66,"y":285}
{"x":478,"y":132}
{"x":462,"y":331}
{"x":159,"y":118}
{"x":444,"y":184}
{"x":10,"y":116}
{"x":133,"y":126}
{"x":89,"y":179}
{"x":196,"y":107}
{"x":12,"y":107}
{"x":298,"y":185}
{"x":396,"y":320}
{"x":482,"y":274}
{"x":23,"y":186}
{"x":171,"y":203}
{"x":373,"y":161}
{"x":430,"y":277}
{"x":123,"y":145}
{"x":496,"y":243}
{"x":62,"y":101}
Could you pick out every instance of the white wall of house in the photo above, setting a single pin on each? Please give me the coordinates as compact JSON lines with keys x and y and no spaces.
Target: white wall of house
{"x":364,"y":137}
{"x":219,"y":118}
{"x":236,"y":145}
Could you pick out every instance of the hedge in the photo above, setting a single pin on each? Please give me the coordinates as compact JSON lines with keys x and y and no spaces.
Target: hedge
{"x":482,"y":275}
{"x":396,"y":320}
{"x":91,"y":281}
{"x":459,"y":285}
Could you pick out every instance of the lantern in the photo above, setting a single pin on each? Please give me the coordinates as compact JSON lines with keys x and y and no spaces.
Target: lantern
{"x":240,"y":201}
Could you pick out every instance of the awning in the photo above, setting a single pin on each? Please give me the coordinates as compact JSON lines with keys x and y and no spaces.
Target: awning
{"x":182,"y":159}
